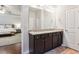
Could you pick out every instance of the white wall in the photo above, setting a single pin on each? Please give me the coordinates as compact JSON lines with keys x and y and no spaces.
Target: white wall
{"x":25,"y":37}
{"x":60,"y":20}
{"x":9,"y":19}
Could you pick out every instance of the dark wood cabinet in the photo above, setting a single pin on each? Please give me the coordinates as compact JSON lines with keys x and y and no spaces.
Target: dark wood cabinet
{"x":41,"y":43}
{"x":38,"y":44}
{"x":48,"y":42}
{"x":31,"y":43}
{"x":60,"y":37}
{"x":55,"y":40}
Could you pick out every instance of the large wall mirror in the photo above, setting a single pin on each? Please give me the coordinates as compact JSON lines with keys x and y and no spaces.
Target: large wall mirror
{"x":10,"y":29}
{"x":41,"y":18}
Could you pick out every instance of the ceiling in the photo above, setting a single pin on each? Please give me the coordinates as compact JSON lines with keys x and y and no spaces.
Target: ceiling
{"x":16,"y":9}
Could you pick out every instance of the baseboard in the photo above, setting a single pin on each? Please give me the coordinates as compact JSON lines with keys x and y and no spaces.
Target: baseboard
{"x":26,"y":52}
{"x":63,"y":44}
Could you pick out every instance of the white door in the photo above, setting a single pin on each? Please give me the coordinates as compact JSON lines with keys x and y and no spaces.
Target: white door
{"x":70,"y":28}
{"x":77,"y":29}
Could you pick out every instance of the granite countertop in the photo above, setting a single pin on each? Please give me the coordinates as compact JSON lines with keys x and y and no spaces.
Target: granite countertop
{"x":42,"y":31}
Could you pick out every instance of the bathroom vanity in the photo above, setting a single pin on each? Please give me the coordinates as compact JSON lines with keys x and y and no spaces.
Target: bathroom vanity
{"x":41,"y":41}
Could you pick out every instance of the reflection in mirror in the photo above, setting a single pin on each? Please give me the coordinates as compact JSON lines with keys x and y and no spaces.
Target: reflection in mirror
{"x":42,"y":17}
{"x":10,"y":29}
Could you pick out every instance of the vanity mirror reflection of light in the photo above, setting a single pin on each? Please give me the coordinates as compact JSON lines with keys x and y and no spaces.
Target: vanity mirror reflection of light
{"x":41,"y":18}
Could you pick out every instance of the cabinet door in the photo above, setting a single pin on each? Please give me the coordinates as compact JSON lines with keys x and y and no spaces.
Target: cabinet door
{"x":48,"y":42}
{"x":55,"y":40}
{"x":60,"y":38}
{"x":39,"y":44}
{"x":31,"y":43}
